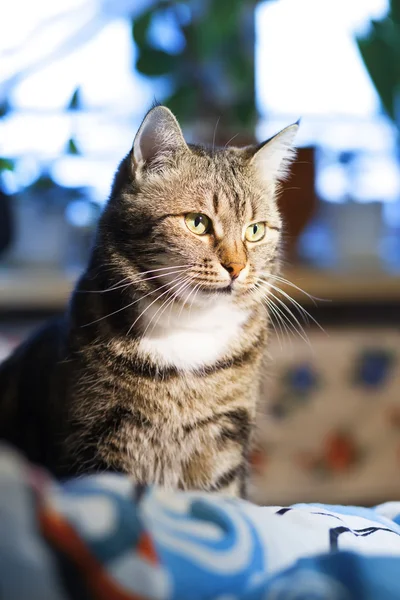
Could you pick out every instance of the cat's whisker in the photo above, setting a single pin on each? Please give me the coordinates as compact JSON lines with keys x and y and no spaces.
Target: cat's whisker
{"x":314,"y":299}
{"x":171,"y":301}
{"x":113,"y":267}
{"x":302,"y":311}
{"x":197,"y":287}
{"x":306,"y":315}
{"x":166,"y":268}
{"x":130,"y":283}
{"x":231,"y":139}
{"x":166,"y":274}
{"x":300,"y":329}
{"x":273,"y":315}
{"x":128,"y":305}
{"x":187,"y":299}
{"x":253,"y":293}
{"x":138,"y":277}
{"x":170,"y":288}
{"x":282,"y":320}
{"x":215,"y":133}
{"x":175,"y":296}
{"x":167,"y":302}
{"x":115,"y":286}
{"x":274,"y":310}
{"x":180,"y":285}
{"x":287,"y":330}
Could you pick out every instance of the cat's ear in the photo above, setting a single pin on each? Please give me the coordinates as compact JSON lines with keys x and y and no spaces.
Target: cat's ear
{"x":274,"y":157}
{"x":159,"y":137}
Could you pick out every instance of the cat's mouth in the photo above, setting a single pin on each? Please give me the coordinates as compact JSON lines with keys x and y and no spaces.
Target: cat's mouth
{"x":226,"y":290}
{"x":220,"y":291}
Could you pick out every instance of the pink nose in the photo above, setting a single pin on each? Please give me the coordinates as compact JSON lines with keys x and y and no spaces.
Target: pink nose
{"x":234,"y":269}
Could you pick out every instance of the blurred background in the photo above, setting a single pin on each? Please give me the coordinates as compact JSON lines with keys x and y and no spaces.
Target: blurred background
{"x":77,"y":76}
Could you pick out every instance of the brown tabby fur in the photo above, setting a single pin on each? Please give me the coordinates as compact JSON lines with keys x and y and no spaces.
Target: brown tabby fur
{"x":84,"y":395}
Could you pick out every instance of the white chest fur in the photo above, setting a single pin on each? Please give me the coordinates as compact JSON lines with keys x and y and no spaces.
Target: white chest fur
{"x":195,"y":339}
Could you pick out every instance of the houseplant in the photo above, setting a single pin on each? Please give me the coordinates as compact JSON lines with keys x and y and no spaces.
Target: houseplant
{"x":207,"y":66}
{"x":380,"y":51}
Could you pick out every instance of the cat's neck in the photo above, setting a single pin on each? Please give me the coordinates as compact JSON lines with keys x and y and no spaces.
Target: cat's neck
{"x":192,"y":338}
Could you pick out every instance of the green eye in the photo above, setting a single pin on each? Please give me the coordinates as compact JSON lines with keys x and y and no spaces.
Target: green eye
{"x":255,"y":232}
{"x":198,"y":223}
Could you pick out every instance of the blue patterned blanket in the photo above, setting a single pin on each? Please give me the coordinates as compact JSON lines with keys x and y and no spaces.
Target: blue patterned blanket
{"x":104,"y":538}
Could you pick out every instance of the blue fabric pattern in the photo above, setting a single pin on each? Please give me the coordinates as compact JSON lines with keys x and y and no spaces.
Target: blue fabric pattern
{"x":103,"y":538}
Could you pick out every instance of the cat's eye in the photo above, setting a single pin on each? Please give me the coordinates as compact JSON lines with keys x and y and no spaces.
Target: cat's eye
{"x":198,"y":223}
{"x":255,"y":232}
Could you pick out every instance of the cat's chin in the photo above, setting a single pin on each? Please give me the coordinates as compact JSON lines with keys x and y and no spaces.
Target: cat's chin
{"x":208,"y":295}
{"x":226,"y":291}
{"x":231,"y":289}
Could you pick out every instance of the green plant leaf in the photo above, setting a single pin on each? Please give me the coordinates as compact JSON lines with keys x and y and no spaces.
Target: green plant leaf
{"x":381,"y":65}
{"x":153,"y":63}
{"x":75,"y":102}
{"x":43,"y":183}
{"x":72,"y":148}
{"x":183,"y":102}
{"x":6,"y":164}
{"x":140,"y":26}
{"x":395,"y":11}
{"x":223,"y":17}
{"x":241,"y":69}
{"x":215,"y":31}
{"x":245,"y":112}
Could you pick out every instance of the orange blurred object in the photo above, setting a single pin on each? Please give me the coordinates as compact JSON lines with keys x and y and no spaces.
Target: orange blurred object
{"x":340,"y":452}
{"x":258,"y":461}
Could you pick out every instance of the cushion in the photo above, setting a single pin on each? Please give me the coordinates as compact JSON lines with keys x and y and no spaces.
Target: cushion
{"x":103,"y":537}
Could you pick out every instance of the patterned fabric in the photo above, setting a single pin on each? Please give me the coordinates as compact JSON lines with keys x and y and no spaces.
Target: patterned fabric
{"x":331,"y":419}
{"x":103,"y":538}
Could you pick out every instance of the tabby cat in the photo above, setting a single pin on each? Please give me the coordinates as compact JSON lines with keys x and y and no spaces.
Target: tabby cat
{"x":154,"y":368}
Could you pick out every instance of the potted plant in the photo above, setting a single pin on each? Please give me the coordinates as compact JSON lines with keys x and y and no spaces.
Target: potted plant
{"x":207,"y":66}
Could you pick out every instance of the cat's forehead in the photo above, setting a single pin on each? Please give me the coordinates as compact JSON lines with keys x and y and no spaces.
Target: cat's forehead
{"x":218,"y":184}
{"x":225,"y":185}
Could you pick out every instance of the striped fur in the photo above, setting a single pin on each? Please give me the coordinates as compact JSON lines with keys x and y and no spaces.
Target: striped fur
{"x":154,"y":370}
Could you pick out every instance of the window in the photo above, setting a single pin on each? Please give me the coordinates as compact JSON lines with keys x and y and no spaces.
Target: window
{"x":52,"y":52}
{"x":308,"y":66}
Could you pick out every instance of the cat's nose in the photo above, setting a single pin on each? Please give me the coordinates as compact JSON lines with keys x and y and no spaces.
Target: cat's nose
{"x":234,"y":269}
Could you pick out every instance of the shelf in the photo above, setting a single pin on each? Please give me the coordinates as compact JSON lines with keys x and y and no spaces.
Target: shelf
{"x":23,"y":289}
{"x":343,"y":287}
{"x":34,"y":289}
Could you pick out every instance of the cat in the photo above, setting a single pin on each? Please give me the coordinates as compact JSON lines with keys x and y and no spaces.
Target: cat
{"x":154,"y":368}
